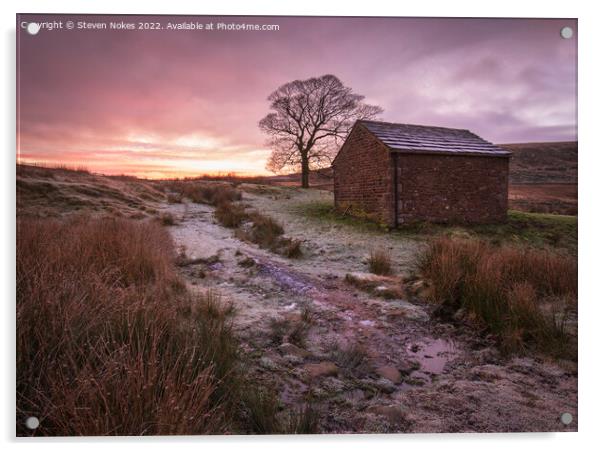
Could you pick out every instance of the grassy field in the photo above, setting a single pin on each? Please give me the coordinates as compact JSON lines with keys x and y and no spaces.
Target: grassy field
{"x":544,"y":198}
{"x":517,"y":280}
{"x":108,"y":339}
{"x":534,"y":229}
{"x":104,"y":304}
{"x":110,"y":342}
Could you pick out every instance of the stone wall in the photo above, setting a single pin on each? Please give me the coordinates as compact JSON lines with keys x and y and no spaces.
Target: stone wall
{"x":452,"y":188}
{"x":362,"y":177}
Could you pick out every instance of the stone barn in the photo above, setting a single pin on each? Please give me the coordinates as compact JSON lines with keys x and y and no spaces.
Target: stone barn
{"x":399,"y":173}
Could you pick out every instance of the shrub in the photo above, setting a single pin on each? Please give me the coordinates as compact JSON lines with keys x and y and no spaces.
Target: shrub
{"x":212,"y":306}
{"x":352,"y":358}
{"x":303,"y":420}
{"x":298,"y":333}
{"x":257,"y":228}
{"x":278,"y":328}
{"x":262,"y":230}
{"x":265,"y":230}
{"x":307,"y":315}
{"x":174,"y":198}
{"x":504,"y":287}
{"x":293,"y":331}
{"x":380,"y":262}
{"x":212,"y":194}
{"x":220,"y":194}
{"x":292,"y":249}
{"x":262,"y":407}
{"x":109,"y":341}
{"x":230,"y":215}
{"x":167,"y":219}
{"x":201,"y":191}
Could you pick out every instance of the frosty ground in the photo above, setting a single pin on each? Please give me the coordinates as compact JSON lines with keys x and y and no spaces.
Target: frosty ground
{"x":366,"y":362}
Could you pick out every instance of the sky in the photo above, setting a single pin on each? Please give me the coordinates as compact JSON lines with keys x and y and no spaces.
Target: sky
{"x":172,"y":103}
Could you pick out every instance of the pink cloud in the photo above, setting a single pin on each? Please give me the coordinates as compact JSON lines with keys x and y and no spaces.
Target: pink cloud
{"x":129,"y":99}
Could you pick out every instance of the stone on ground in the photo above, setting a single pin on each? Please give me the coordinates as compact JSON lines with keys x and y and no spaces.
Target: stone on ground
{"x":389,"y":372}
{"x":394,"y":413}
{"x":321,"y":369}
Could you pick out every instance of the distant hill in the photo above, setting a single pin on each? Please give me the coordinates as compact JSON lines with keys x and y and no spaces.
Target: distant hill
{"x":320,"y":178}
{"x":543,"y":178}
{"x":531,"y":163}
{"x":535,"y":163}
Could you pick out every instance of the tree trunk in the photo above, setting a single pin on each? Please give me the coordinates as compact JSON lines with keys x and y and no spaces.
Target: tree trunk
{"x":304,"y":171}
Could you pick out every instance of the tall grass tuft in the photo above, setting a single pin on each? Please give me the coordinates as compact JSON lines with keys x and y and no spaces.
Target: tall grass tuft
{"x":504,"y":289}
{"x":262,"y":407}
{"x":108,"y":340}
{"x":268,"y":234}
{"x":303,"y":420}
{"x":264,"y":416}
{"x":293,"y":331}
{"x":265,"y":230}
{"x":203,"y":192}
{"x":292,"y":249}
{"x":352,"y":358}
{"x":167,"y":219}
{"x":379,"y":262}
{"x":230,"y":215}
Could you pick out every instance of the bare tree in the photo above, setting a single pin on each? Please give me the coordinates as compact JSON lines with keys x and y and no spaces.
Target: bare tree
{"x":310,"y":119}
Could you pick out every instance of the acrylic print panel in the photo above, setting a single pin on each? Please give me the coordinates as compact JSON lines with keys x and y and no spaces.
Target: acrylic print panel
{"x":295,"y":225}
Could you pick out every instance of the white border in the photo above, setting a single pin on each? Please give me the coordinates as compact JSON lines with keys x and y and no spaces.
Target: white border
{"x":590,"y":75}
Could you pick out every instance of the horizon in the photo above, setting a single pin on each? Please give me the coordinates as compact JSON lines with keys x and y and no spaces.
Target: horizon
{"x":186,"y":104}
{"x":218,"y":174}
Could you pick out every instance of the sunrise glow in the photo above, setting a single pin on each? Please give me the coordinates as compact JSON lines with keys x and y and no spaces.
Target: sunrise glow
{"x":186,"y":103}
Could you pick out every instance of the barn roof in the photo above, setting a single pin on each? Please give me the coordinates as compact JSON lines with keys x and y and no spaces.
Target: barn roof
{"x":426,"y":139}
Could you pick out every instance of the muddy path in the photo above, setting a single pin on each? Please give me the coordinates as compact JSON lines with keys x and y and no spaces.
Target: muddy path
{"x":367,"y":363}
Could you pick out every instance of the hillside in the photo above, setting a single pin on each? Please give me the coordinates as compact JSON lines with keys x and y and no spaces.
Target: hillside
{"x":543,"y":177}
{"x":53,"y":192}
{"x":535,"y":163}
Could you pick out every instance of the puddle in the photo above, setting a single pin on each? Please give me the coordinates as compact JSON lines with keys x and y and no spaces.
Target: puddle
{"x":432,"y":355}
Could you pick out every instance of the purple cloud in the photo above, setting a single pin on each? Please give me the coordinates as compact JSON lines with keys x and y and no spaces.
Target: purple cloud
{"x":127,"y":101}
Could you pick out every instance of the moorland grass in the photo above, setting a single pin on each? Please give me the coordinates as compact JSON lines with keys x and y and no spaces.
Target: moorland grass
{"x":202,"y":192}
{"x":504,"y":288}
{"x":533,"y":229}
{"x":109,"y":342}
{"x":255,"y":227}
{"x":379,"y":262}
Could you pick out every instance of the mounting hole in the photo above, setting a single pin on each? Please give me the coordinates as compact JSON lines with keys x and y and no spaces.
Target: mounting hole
{"x":566,"y":32}
{"x":566,"y":418}
{"x":32,"y":423}
{"x":33,"y":28}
